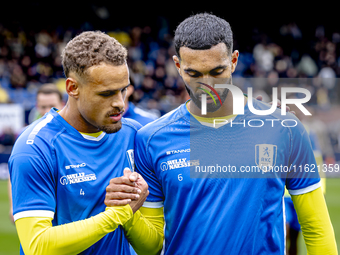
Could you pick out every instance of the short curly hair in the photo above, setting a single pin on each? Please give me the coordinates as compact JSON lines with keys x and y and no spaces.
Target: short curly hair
{"x":91,"y":48}
{"x":202,"y":31}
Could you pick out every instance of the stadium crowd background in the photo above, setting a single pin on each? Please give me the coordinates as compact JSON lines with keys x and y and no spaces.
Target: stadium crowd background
{"x":30,"y":56}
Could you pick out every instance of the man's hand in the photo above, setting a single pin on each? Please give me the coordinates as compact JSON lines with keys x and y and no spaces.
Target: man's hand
{"x":131,"y":189}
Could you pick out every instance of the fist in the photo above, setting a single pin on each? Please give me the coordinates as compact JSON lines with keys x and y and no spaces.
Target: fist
{"x":130,"y":189}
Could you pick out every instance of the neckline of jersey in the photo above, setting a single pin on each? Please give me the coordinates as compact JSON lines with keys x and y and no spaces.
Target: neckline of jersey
{"x":71,"y":130}
{"x":193,"y":121}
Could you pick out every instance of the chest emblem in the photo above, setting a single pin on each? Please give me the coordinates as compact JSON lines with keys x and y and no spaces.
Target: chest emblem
{"x":265,"y":156}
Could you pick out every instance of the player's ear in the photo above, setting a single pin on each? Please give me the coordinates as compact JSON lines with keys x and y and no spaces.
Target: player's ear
{"x":177,"y":61}
{"x":72,"y":88}
{"x":234,"y":59}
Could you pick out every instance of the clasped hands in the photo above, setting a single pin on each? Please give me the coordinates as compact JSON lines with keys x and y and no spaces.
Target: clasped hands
{"x":130,"y":189}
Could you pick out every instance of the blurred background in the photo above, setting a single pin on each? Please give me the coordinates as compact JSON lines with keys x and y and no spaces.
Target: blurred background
{"x":276,"y":43}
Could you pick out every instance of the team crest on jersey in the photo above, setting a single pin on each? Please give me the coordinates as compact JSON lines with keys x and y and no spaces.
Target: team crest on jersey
{"x":131,"y":159}
{"x":265,"y":156}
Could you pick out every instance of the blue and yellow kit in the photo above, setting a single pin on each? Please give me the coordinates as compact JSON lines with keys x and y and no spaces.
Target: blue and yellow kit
{"x":220,"y":212}
{"x":61,"y":174}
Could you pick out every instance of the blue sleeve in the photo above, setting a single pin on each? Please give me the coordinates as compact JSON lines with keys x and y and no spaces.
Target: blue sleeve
{"x":33,"y":181}
{"x":303,"y":176}
{"x":145,"y":168}
{"x":131,"y":122}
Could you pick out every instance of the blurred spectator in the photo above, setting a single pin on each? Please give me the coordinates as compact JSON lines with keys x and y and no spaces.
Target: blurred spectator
{"x":307,"y":66}
{"x":7,"y":138}
{"x":264,"y":57}
{"x":4,"y":98}
{"x":30,"y":58}
{"x":321,"y":131}
{"x":334,"y":131}
{"x":48,"y":96}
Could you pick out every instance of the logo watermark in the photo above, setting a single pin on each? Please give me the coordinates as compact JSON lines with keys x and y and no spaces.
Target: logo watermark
{"x":264,"y":141}
{"x":238,"y":99}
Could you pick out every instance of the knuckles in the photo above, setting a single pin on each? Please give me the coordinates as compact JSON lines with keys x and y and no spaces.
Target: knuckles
{"x":108,"y":189}
{"x":119,"y":189}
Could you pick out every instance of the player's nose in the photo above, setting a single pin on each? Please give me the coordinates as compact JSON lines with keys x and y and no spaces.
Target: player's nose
{"x":118,"y":101}
{"x":207,"y":79}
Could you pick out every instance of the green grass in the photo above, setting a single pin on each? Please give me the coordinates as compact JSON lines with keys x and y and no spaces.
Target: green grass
{"x":9,"y":242}
{"x":333,"y":204}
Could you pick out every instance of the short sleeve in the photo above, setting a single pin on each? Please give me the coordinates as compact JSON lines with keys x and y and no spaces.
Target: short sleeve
{"x":33,"y":183}
{"x":303,"y":176}
{"x":145,"y":168}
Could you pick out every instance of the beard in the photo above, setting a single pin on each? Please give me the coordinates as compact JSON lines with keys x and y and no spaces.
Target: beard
{"x":112,"y":128}
{"x":107,"y":127}
{"x":115,"y":127}
{"x":211,"y":107}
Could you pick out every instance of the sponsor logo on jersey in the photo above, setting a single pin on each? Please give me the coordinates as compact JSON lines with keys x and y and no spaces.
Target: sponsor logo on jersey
{"x":178,"y":163}
{"x":177,"y":151}
{"x":75,"y":166}
{"x":265,"y":156}
{"x":77,"y":178}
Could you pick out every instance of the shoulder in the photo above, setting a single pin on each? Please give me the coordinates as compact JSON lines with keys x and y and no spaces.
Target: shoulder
{"x":283,"y":125}
{"x":43,"y":130}
{"x":131,"y":123}
{"x":142,"y":116}
{"x":37,"y":140}
{"x":148,"y":115}
{"x":159,"y":125}
{"x":282,"y":118}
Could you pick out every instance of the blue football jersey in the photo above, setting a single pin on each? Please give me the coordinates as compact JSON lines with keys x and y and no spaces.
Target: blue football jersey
{"x":199,"y":174}
{"x":138,"y":114}
{"x":142,"y":117}
{"x":60,"y":173}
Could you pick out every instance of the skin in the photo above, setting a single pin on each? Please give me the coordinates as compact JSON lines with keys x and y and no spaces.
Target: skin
{"x":130,"y":189}
{"x":46,"y":101}
{"x":198,"y":65}
{"x":129,"y":92}
{"x":211,"y":66}
{"x":94,"y":100}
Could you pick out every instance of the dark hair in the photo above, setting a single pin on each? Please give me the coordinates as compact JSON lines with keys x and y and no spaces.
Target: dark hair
{"x":89,"y":49}
{"x":50,"y":88}
{"x":202,"y":31}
